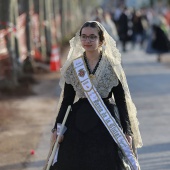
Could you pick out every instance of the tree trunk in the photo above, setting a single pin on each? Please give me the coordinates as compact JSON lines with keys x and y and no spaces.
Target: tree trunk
{"x":11,"y":63}
{"x":4,"y":12}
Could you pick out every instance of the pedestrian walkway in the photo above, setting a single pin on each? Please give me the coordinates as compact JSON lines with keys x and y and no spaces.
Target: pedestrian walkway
{"x":149,"y":83}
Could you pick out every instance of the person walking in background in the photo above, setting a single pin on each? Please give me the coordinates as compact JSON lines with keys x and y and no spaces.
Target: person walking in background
{"x":94,"y":63}
{"x":123,"y":28}
{"x":138,"y":28}
{"x":158,"y":43}
{"x":109,"y":25}
{"x":98,"y":14}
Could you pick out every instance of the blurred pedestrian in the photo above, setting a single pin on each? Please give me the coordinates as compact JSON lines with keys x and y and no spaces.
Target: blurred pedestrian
{"x":138,"y":28}
{"x":158,"y":42}
{"x":167,"y":15}
{"x":98,"y":14}
{"x":123,"y":29}
{"x":90,"y":78}
{"x":109,"y":25}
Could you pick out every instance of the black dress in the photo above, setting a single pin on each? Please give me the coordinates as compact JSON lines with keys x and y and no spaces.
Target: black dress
{"x":87,"y":144}
{"x":159,"y":43}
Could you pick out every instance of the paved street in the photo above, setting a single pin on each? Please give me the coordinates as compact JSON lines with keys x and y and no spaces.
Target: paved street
{"x":149,"y":84}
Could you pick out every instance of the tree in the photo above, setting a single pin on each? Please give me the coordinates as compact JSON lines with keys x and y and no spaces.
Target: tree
{"x":4,"y":12}
{"x":7,"y":22}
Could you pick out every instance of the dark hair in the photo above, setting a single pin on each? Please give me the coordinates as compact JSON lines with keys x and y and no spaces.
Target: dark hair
{"x":94,"y":25}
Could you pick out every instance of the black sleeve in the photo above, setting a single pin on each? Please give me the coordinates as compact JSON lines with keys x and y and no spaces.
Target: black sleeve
{"x":119,"y":96}
{"x":68,"y":99}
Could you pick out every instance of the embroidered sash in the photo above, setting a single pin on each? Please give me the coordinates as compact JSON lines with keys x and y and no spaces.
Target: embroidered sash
{"x":100,"y":108}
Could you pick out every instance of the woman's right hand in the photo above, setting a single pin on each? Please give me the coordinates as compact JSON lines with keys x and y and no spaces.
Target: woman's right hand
{"x":54,"y":137}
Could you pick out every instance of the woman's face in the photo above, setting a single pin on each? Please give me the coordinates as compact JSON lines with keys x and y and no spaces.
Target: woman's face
{"x":90,"y":39}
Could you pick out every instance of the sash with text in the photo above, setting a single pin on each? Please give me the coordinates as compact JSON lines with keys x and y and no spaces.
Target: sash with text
{"x":100,"y":108}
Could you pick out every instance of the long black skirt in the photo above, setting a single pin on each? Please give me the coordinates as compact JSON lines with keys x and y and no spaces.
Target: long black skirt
{"x":87,"y":144}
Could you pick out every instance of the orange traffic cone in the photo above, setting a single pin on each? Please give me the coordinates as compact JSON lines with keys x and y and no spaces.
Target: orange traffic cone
{"x":55,"y":59}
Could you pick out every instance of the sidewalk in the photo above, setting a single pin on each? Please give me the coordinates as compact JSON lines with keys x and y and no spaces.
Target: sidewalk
{"x":149,"y":83}
{"x":37,"y":161}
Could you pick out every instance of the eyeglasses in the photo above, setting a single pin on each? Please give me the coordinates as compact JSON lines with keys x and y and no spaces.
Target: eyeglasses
{"x":91,"y":37}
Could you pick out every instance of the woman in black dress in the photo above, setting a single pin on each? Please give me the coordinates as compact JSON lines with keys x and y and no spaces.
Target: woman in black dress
{"x":158,"y":42}
{"x":87,"y":144}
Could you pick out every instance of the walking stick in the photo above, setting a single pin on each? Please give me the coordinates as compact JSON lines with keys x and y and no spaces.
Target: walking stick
{"x":54,"y":146}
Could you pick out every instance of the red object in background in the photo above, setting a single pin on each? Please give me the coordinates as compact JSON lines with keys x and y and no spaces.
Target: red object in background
{"x":37,"y":55}
{"x":32,"y":152}
{"x":55,"y":59}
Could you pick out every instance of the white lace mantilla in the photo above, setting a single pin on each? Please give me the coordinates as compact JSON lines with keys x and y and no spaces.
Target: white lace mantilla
{"x":104,"y":80}
{"x":112,"y":54}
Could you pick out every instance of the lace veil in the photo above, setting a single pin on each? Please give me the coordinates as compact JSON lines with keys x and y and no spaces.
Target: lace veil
{"x":114,"y":57}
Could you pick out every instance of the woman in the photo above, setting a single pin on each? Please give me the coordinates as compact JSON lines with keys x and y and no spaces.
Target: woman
{"x":87,"y":144}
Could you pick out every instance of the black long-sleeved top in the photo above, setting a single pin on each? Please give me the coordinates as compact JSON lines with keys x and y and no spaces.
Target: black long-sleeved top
{"x":118,"y":92}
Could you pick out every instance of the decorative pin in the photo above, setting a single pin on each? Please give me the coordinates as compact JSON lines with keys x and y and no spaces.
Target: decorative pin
{"x":81,"y":73}
{"x":92,"y":76}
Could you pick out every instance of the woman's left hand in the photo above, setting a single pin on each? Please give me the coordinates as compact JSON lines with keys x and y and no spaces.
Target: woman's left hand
{"x":129,"y":139}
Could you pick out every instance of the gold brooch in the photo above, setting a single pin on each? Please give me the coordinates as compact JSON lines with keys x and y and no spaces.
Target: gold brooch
{"x":92,"y":76}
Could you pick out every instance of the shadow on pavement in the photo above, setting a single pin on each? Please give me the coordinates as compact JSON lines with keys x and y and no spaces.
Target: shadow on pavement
{"x":36,"y":164}
{"x":161,"y":147}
